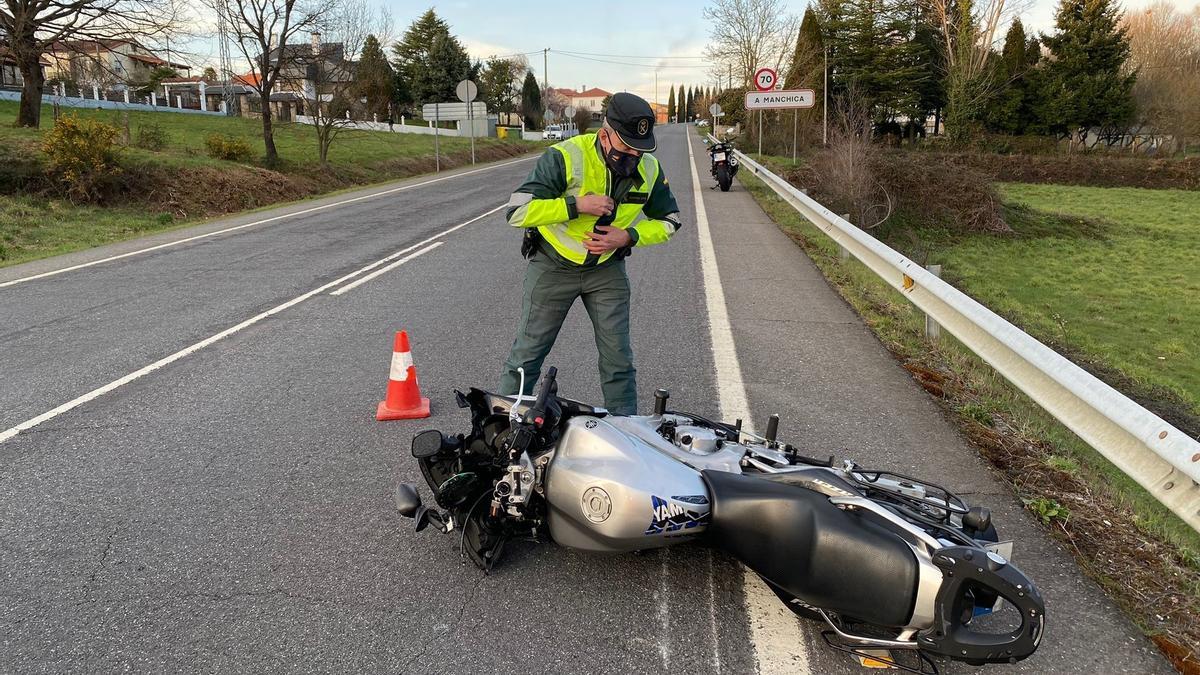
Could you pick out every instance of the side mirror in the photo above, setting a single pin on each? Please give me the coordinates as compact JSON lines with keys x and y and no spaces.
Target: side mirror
{"x":427,"y":444}
{"x":408,"y":500}
{"x":408,"y":503}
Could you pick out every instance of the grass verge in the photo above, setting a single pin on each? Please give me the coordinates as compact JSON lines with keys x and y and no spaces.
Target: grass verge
{"x":179,"y":184}
{"x":1145,"y":558}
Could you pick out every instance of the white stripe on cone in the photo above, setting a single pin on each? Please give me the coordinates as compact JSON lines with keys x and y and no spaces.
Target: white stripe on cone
{"x":400,"y":363}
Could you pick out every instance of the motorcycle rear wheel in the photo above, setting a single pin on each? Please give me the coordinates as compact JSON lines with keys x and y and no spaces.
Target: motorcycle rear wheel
{"x":724,"y":178}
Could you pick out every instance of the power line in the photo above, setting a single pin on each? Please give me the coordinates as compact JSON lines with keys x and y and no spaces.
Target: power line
{"x":627,"y":63}
{"x":509,"y":56}
{"x":629,"y":56}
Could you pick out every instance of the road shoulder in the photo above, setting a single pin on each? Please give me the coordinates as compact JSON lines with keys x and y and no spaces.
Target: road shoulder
{"x":808,"y":356}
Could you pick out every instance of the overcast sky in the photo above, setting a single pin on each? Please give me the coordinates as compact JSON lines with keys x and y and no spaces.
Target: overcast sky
{"x":635,"y":38}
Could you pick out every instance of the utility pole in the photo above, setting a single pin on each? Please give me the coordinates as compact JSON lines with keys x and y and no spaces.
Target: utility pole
{"x":545,"y":69}
{"x":825,"y":103}
{"x":656,"y":96}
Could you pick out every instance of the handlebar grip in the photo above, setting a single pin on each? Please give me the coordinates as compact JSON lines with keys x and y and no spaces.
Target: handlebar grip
{"x":537,"y":412}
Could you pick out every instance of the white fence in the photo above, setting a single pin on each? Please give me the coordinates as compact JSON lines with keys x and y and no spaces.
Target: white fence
{"x":78,"y":102}
{"x":463,"y":130}
{"x":1158,"y":456}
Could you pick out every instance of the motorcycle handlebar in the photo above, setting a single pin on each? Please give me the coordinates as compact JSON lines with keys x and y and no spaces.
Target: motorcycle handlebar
{"x":537,"y":413}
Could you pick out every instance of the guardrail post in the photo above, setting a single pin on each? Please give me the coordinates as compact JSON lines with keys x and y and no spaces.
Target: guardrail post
{"x":843,"y":252}
{"x":933,"y":330}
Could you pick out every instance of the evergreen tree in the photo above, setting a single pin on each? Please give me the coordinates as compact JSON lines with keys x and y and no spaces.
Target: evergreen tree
{"x":872,"y":52}
{"x":690,"y":109}
{"x":733,"y":107}
{"x":681,"y":104}
{"x":930,"y":87}
{"x":671,"y":106}
{"x":531,"y":101}
{"x":373,"y":78}
{"x":808,"y":57}
{"x":430,"y":60}
{"x":1011,"y":110}
{"x":500,"y":83}
{"x":1085,"y":83}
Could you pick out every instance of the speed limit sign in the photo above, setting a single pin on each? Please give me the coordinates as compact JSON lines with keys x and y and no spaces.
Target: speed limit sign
{"x":764,"y":79}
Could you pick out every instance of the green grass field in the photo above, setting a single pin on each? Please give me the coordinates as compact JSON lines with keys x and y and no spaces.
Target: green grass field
{"x":1116,"y":282}
{"x":1109,"y":275}
{"x":39,"y":225}
{"x":297,"y":143}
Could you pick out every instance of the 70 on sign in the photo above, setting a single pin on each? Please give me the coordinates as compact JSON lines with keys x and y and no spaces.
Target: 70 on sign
{"x":764,"y":79}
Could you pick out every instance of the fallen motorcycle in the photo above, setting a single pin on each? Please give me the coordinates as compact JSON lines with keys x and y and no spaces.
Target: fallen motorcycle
{"x":898,"y":568}
{"x":724,"y":164}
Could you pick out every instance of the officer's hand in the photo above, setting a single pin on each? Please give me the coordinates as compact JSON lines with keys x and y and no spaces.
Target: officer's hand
{"x":609,"y":238}
{"x":596,"y":205}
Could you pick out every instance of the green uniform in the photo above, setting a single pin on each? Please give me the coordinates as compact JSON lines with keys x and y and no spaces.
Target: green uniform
{"x":561,"y":269}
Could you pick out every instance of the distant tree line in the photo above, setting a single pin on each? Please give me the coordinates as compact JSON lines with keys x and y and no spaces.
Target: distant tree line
{"x":969,"y":67}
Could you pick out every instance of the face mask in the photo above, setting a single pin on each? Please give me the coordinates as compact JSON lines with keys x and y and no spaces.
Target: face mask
{"x":621,"y":163}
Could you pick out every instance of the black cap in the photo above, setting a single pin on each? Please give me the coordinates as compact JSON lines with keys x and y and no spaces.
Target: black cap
{"x":633,"y":120}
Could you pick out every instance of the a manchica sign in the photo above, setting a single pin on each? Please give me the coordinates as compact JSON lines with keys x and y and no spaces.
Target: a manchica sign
{"x":781,"y":99}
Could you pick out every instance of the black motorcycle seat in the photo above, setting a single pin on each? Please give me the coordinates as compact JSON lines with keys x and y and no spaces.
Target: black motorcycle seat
{"x":800,"y":542}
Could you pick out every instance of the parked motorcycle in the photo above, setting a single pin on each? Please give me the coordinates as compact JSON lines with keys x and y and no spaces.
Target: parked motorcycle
{"x":724,"y":164}
{"x":899,"y":569}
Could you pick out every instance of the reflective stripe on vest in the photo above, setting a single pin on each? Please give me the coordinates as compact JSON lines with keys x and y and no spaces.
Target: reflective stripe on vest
{"x":586,"y":174}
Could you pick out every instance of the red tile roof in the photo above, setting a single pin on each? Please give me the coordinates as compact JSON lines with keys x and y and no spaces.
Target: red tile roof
{"x":249,"y":79}
{"x":594,"y":92}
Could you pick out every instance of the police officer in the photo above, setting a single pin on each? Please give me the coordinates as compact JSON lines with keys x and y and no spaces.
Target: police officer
{"x":589,"y":200}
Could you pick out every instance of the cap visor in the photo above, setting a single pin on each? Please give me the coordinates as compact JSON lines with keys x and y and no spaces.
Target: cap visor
{"x":647,"y":144}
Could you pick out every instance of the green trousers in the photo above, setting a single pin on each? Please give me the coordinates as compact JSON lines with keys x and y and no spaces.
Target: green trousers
{"x":551,"y":287}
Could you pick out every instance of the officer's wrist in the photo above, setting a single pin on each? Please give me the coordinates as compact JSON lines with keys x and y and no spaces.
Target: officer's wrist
{"x":572,"y":208}
{"x":633,"y":236}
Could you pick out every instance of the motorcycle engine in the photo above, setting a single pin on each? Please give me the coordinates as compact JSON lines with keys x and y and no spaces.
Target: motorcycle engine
{"x":697,"y":440}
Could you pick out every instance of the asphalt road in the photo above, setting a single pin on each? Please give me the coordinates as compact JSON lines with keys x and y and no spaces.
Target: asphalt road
{"x":230,"y":509}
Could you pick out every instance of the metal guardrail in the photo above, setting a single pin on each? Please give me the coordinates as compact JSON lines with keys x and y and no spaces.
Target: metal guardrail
{"x":1163,"y":459}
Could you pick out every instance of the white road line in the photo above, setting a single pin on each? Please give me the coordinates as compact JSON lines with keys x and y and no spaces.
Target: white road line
{"x":167,"y":360}
{"x":257,"y":222}
{"x":359,"y":282}
{"x":712,"y":614}
{"x":664,"y":612}
{"x":779,"y":644}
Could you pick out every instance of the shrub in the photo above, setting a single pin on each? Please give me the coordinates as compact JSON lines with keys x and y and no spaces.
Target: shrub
{"x":232,"y":148}
{"x":151,"y":137}
{"x":83,"y":154}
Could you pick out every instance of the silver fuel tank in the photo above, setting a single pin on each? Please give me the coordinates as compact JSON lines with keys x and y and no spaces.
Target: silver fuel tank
{"x":610,"y":491}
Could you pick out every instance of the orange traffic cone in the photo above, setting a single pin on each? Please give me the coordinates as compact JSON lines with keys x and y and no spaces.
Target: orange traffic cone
{"x":403,"y":401}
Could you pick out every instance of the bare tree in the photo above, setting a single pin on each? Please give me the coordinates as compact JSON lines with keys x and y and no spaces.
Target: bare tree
{"x":845,"y":167}
{"x":554,"y":103}
{"x":500,"y":83}
{"x":969,"y":31}
{"x":262,"y":31}
{"x":1165,"y":50}
{"x":327,"y":72}
{"x":33,"y":28}
{"x":750,"y":34}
